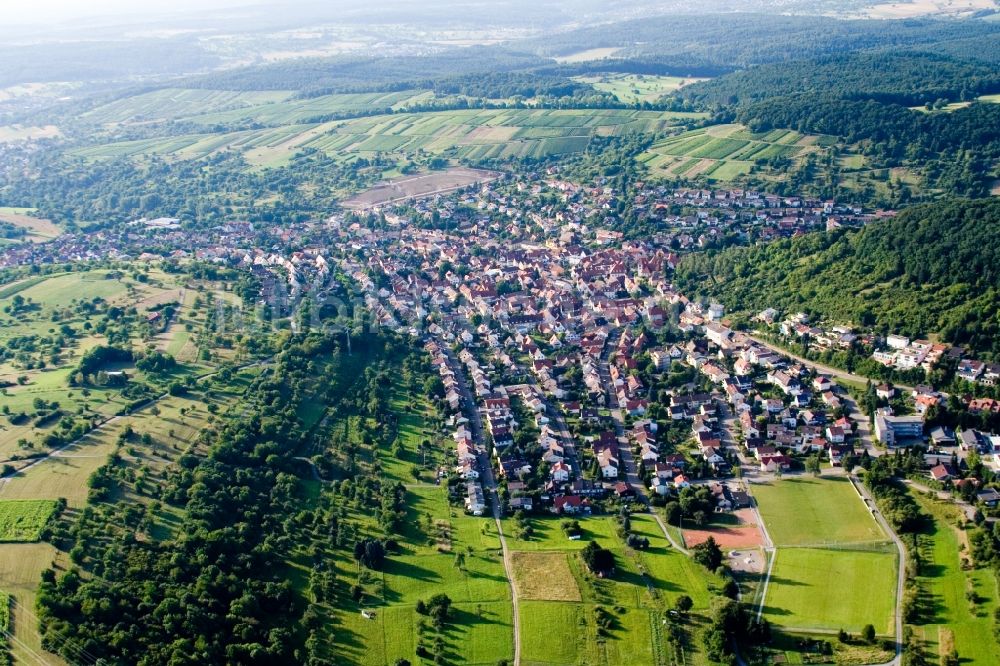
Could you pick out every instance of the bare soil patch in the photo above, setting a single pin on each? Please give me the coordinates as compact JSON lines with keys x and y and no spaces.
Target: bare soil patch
{"x":422,"y":185}
{"x":746,"y":534}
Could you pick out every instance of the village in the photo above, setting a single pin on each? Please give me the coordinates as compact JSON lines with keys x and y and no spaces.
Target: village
{"x":574,"y":372}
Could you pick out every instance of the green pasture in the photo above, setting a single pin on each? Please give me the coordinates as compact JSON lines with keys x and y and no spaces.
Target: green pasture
{"x":23,"y":520}
{"x":944,"y":586}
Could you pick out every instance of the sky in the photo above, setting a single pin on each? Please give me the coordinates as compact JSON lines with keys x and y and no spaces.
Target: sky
{"x":20,"y":12}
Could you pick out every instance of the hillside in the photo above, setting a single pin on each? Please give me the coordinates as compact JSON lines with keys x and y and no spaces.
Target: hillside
{"x":933,"y":269}
{"x":892,"y":78}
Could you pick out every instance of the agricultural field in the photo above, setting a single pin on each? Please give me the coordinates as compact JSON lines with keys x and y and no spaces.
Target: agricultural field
{"x":725,"y":152}
{"x":15,"y":133}
{"x":23,"y":520}
{"x":38,"y":230}
{"x":471,"y":134}
{"x":947,"y":617}
{"x":588,"y":54}
{"x":815,"y":511}
{"x":421,"y":185}
{"x":177,"y":103}
{"x":544,"y":577}
{"x":636,"y":88}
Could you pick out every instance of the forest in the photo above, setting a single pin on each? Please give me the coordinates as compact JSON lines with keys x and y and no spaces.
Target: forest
{"x":933,"y":269}
{"x":905,"y":78}
{"x":313,"y":77}
{"x":744,"y":39}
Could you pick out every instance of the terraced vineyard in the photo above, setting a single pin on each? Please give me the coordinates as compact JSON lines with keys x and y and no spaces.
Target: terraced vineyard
{"x":724,"y":152}
{"x":175,"y":103}
{"x":472,"y":134}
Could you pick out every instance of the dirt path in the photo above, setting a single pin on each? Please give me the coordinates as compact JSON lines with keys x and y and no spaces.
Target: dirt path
{"x":58,"y":452}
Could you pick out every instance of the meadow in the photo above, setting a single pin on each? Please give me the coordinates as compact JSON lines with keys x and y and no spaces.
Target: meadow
{"x":45,"y":373}
{"x":558,"y":591}
{"x":948,"y":617}
{"x":21,"y":566}
{"x":632,"y":88}
{"x":23,"y":520}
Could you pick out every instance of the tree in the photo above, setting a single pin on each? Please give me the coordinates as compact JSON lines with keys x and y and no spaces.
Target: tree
{"x":868,"y":633}
{"x":683,"y":604}
{"x":599,"y":560}
{"x":708,"y":554}
{"x":814,"y":465}
{"x":370,"y":553}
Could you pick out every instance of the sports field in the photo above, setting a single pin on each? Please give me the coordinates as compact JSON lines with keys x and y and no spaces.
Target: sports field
{"x":815,"y":511}
{"x":832,"y":589}
{"x":834,"y":567}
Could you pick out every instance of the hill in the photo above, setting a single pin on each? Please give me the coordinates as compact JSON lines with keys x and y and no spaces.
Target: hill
{"x":893,"y":78}
{"x":933,"y":269}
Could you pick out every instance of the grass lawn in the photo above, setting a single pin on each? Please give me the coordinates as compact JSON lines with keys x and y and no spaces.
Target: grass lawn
{"x":832,"y":589}
{"x":544,"y":577}
{"x":21,"y":566}
{"x":800,"y":511}
{"x":943,"y":586}
{"x":554,"y":633}
{"x":23,"y":520}
{"x":548,"y":534}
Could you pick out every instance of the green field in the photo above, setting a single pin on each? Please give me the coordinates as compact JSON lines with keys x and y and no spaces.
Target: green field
{"x":473,"y":134}
{"x":834,"y":567}
{"x":808,"y":511}
{"x":943,"y":585}
{"x":23,"y":520}
{"x":725,"y":152}
{"x":631,"y":88}
{"x":832,"y":589}
{"x":175,"y":103}
{"x":644,"y":585}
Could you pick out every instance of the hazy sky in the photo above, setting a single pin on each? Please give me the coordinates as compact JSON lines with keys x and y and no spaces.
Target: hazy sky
{"x":14,"y":12}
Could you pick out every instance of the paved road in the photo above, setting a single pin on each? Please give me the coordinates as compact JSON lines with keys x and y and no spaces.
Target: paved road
{"x":824,"y":369}
{"x":864,"y":430}
{"x":901,"y":574}
{"x":625,"y":450}
{"x":489,"y":484}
